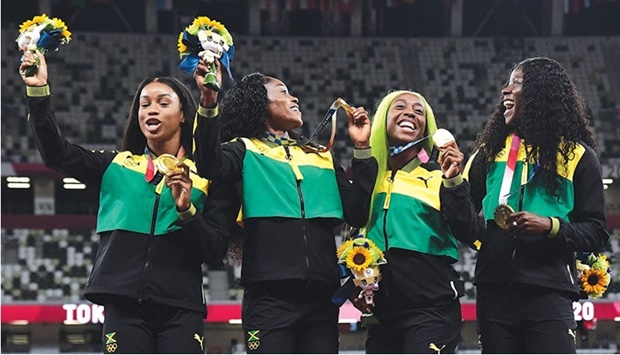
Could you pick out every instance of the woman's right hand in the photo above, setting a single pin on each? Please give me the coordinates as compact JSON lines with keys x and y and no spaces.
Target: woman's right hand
{"x":208,"y":97}
{"x":30,"y":59}
{"x":450,"y":159}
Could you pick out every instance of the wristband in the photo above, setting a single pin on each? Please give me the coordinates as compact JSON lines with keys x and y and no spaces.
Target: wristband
{"x":190,"y":212}
{"x":364,"y":153}
{"x":555,"y":227}
{"x":208,"y":112}
{"x":453,"y":181}
{"x":38,"y":91}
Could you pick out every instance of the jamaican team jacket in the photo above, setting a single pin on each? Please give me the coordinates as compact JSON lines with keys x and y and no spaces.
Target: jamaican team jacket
{"x":292,"y":200}
{"x":545,"y":261}
{"x":146,"y":252}
{"x":408,"y":223}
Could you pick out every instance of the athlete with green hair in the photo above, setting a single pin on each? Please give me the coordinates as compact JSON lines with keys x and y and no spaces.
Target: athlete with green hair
{"x":417,"y":303}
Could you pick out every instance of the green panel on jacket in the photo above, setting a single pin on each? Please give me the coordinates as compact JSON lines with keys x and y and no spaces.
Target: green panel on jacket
{"x":414,"y":219}
{"x":270,"y":183}
{"x":535,"y":198}
{"x":132,"y":208}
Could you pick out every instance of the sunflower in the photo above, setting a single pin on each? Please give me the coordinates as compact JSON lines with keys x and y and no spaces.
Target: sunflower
{"x":343,"y":248}
{"x":594,"y":282}
{"x":51,"y":24}
{"x":358,"y":258}
{"x":180,"y":45}
{"x":37,"y":20}
{"x":205,"y":23}
{"x":65,"y":34}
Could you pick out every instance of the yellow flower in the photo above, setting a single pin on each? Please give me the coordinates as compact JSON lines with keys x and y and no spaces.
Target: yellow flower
{"x":40,"y":18}
{"x":581,"y":266}
{"x":203,"y":22}
{"x":375,"y":251}
{"x":65,"y":34}
{"x":594,"y":282}
{"x":344,"y":246}
{"x":58,"y":23}
{"x":358,"y":258}
{"x":37,"y":20}
{"x":182,"y":47}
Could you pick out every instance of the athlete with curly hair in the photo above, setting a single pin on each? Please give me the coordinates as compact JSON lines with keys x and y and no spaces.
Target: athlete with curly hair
{"x":292,"y":196}
{"x":536,"y":179}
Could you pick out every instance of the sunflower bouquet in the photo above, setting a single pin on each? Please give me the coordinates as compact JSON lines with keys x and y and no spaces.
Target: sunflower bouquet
{"x":362,"y":257}
{"x":594,"y":275}
{"x":43,"y":34}
{"x":208,"y":40}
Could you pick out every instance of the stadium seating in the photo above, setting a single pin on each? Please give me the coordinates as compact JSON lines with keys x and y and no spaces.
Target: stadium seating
{"x":93,"y":79}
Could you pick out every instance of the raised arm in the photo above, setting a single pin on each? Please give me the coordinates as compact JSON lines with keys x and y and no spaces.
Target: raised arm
{"x":57,"y":153}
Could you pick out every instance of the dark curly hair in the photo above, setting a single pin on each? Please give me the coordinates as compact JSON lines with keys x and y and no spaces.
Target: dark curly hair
{"x":244,"y":113}
{"x":553,"y":119}
{"x":243,"y":110}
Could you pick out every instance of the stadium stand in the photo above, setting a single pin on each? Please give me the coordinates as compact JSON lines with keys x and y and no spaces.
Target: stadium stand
{"x":46,"y":258}
{"x":460,"y":77}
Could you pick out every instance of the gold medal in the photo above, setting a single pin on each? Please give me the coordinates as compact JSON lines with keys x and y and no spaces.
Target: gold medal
{"x":501,"y":214}
{"x":166,"y":163}
{"x":442,"y":137}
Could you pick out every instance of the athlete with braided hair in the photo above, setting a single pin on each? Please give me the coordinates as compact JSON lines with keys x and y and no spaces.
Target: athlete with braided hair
{"x":293,"y":194}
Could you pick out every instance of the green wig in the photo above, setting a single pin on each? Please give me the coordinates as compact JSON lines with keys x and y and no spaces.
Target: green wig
{"x":378,"y":136}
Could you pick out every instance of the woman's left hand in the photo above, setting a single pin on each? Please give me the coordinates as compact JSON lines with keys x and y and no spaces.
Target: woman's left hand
{"x":181,"y":186}
{"x":359,"y":127}
{"x":529,"y":223}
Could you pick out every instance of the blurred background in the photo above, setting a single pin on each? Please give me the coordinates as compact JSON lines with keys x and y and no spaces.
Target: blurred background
{"x":457,"y":53}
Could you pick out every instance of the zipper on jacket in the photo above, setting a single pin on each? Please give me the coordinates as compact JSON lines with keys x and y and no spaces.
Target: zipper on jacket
{"x":386,"y":207}
{"x":388,"y":195}
{"x":570,"y":274}
{"x":453,"y":287}
{"x":385,"y":235}
{"x":148,"y":250}
{"x":302,"y":203}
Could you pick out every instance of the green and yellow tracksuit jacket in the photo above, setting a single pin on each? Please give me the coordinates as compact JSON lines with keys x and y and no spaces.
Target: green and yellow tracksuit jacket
{"x":577,"y":212}
{"x":291,"y":202}
{"x":147,"y":251}
{"x":407,"y":222}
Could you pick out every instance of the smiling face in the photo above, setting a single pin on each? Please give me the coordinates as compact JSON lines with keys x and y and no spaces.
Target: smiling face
{"x":282,"y":109}
{"x":406,"y":119}
{"x":160,"y":115}
{"x":511,"y":98}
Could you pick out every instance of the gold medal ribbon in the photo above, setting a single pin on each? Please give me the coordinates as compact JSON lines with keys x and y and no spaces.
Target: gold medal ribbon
{"x":503,"y":210}
{"x":329,"y":116}
{"x":509,"y":171}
